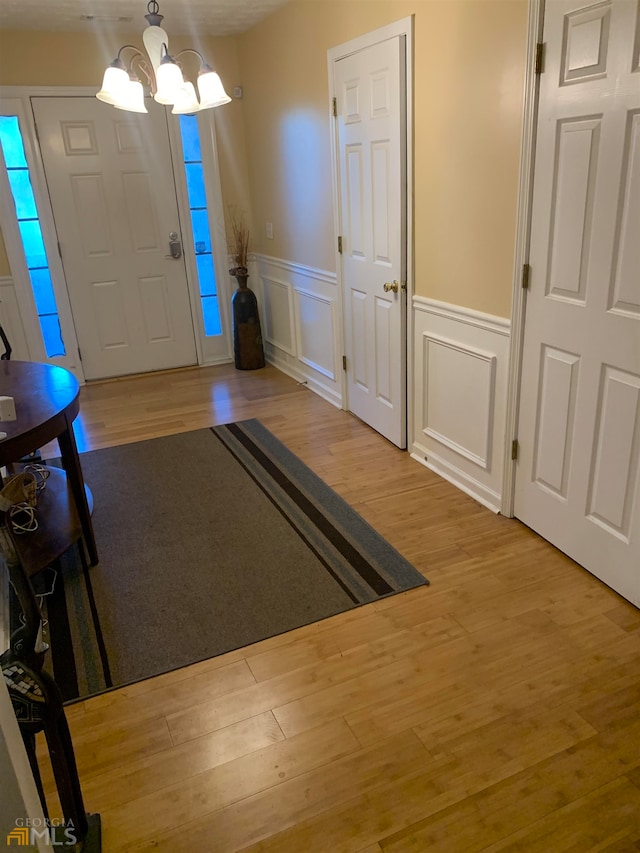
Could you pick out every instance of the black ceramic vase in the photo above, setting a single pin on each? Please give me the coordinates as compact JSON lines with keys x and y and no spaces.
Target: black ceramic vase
{"x":247,"y":337}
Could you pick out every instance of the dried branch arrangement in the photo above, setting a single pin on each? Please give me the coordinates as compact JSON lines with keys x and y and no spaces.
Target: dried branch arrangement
{"x":239,"y":243}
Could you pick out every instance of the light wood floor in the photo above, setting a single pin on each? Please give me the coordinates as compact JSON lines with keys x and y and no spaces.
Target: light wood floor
{"x":497,"y":709}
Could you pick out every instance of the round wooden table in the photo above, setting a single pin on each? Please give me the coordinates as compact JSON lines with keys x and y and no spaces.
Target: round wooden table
{"x":47,"y":402}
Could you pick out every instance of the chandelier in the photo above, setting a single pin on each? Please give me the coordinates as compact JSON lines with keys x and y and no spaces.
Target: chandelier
{"x":122,"y":88}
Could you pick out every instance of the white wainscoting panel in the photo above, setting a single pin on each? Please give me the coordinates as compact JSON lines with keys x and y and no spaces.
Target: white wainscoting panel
{"x":475,"y":375}
{"x":11,"y":320}
{"x":315,"y":324}
{"x":278,"y":331}
{"x":301,"y":323}
{"x":461,"y":363}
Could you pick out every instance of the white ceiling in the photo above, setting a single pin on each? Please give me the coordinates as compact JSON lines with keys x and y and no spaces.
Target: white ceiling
{"x":211,"y":17}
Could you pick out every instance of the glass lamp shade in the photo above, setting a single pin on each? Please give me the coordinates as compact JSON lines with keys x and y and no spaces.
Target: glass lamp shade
{"x":212,"y":93}
{"x":169,"y":81}
{"x":114,"y":83}
{"x":132,"y":98}
{"x":187,"y":102}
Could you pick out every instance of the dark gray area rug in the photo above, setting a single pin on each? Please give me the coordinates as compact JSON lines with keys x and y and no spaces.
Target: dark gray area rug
{"x":208,"y":541}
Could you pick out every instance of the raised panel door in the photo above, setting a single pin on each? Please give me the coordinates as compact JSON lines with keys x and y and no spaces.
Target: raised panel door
{"x":113,"y":196}
{"x":578,"y":476}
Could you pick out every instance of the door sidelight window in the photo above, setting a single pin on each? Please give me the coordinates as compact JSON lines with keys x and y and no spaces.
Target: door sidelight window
{"x":200,"y":224}
{"x":31,"y":233}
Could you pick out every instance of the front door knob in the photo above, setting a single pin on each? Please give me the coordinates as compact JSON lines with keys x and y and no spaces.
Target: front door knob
{"x":175,"y":246}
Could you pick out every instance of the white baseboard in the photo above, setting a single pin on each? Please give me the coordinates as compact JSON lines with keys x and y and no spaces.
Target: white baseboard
{"x":471,"y":487}
{"x":210,"y":362}
{"x":291,"y":368}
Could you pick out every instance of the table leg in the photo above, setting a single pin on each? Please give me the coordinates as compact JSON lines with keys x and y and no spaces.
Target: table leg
{"x":71,"y":462}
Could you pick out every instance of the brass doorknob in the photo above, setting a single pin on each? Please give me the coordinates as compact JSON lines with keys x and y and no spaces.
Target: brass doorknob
{"x":388,"y":287}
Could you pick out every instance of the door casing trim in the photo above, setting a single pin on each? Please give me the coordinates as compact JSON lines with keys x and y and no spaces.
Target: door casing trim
{"x":521,"y":253}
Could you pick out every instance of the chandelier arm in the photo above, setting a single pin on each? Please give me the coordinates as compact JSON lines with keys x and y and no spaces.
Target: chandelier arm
{"x":146,"y":69}
{"x":190,"y":50}
{"x":141,"y":63}
{"x":131,"y":46}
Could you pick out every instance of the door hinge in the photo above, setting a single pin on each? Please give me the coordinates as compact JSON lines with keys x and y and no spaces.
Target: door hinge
{"x":526,"y":270}
{"x":344,"y":362}
{"x":340,"y":245}
{"x":515,"y":448}
{"x":539,"y":63}
{"x":334,"y":107}
{"x":79,"y":354}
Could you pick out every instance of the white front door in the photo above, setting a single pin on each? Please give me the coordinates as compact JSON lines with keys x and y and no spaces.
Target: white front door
{"x":371,"y":142}
{"x":577,"y":482}
{"x":110,"y":179}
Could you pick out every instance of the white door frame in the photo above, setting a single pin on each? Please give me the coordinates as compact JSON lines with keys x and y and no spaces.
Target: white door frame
{"x":521,"y":254}
{"x":208,"y":349}
{"x":21,"y":97}
{"x":403,"y":27}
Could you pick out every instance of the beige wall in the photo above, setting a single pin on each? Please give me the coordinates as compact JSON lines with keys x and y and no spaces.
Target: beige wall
{"x":468,"y":82}
{"x":469,"y":77}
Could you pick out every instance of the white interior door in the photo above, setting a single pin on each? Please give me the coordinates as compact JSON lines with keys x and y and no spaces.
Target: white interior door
{"x":371,"y":143}
{"x":579,"y":424}
{"x":110,"y":179}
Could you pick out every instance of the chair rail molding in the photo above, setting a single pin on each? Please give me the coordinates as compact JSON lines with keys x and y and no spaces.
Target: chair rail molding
{"x":461,"y":366}
{"x":300,"y":324}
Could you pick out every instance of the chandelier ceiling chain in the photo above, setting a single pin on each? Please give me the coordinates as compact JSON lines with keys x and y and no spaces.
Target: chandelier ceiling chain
{"x":122,"y":88}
